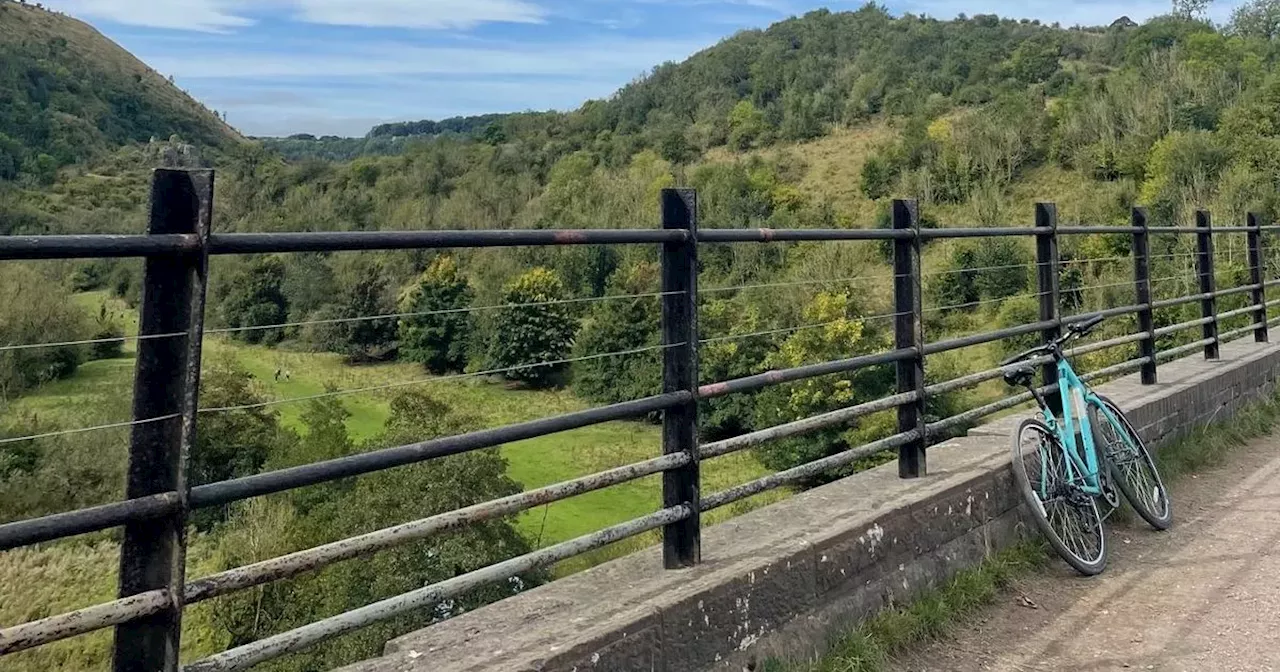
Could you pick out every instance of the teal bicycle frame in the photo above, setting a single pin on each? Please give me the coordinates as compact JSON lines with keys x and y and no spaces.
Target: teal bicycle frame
{"x":1083,"y":465}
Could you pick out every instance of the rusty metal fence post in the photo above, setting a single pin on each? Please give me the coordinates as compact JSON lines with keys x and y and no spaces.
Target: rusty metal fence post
{"x":908,"y":332}
{"x":1142,"y":293}
{"x":681,"y":540}
{"x":165,"y":401}
{"x":1257,"y":277}
{"x":1048,"y":285}
{"x":1208,"y":282}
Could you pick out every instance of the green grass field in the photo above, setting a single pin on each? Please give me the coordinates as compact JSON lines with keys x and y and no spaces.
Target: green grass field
{"x":533,"y":463}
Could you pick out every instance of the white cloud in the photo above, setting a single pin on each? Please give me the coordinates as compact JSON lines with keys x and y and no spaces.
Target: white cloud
{"x":418,"y":13}
{"x":223,"y":15}
{"x":623,"y":58}
{"x":201,"y":15}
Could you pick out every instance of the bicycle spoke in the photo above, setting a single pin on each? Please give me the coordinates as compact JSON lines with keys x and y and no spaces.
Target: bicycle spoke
{"x":1063,"y":511}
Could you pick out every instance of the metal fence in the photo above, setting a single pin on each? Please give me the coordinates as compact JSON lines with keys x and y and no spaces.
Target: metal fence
{"x":177,"y":248}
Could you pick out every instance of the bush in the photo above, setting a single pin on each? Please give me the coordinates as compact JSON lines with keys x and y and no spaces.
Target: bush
{"x":528,"y":335}
{"x":439,"y":341}
{"x":1014,"y":313}
{"x":108,"y":334}
{"x":255,"y":298}
{"x":35,"y":310}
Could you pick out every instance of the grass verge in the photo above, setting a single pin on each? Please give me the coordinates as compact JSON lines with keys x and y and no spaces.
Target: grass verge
{"x":873,"y":643}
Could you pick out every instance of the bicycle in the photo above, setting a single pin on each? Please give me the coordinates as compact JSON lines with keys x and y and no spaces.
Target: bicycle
{"x":1065,"y":476}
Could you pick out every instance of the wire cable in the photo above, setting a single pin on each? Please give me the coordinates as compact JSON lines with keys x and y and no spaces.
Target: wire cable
{"x":81,"y":430}
{"x":800,"y":283}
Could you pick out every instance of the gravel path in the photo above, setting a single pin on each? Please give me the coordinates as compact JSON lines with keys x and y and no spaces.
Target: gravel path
{"x":1201,"y":597}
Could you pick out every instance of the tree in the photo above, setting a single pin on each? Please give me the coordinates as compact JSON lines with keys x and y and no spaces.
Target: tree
{"x":840,"y":334}
{"x":1259,"y":18}
{"x":364,"y":295}
{"x":534,"y":329}
{"x":617,"y":326}
{"x":437,"y":341}
{"x":255,"y":298}
{"x":234,"y":443}
{"x":746,"y":125}
{"x":1189,"y":9}
{"x":368,"y":503}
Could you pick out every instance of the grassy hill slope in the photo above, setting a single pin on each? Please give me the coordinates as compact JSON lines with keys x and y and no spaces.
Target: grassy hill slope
{"x":68,"y":93}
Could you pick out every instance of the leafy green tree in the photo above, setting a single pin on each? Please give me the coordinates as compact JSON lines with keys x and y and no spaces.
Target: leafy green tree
{"x":234,"y":443}
{"x":255,"y":298}
{"x":840,"y":334}
{"x":1259,"y":18}
{"x":534,"y":329}
{"x":364,"y":294}
{"x":1190,"y":9}
{"x":617,"y":326}
{"x":746,"y":125}
{"x":376,"y":501}
{"x":438,"y":341}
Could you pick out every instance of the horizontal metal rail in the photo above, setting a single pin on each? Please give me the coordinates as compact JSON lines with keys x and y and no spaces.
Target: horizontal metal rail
{"x":1234,"y":290}
{"x":81,"y":621}
{"x":761,"y":380}
{"x":265,"y":483}
{"x":1115,"y":369}
{"x":248,"y":243}
{"x":311,"y":559}
{"x":804,"y":426}
{"x":1087,"y":230}
{"x":1168,"y":303}
{"x":1173,"y":328}
{"x":986,"y":337}
{"x":982,"y":232}
{"x":796,"y":235}
{"x":1237,"y":333}
{"x":1239,"y":311}
{"x":82,"y":521}
{"x":1173,"y":353}
{"x":248,"y":655}
{"x":975,"y":414}
{"x":1109,"y":312}
{"x":805,"y":471}
{"x":89,"y":246}
{"x":128,"y":245}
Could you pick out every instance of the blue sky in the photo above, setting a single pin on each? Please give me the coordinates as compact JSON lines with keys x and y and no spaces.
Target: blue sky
{"x":340,"y":66}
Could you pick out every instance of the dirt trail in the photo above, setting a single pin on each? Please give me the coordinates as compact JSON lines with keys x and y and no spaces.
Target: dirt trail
{"x":1202,"y":597}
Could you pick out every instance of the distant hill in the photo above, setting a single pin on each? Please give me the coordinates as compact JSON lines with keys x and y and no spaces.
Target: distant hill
{"x":792,"y":82}
{"x":68,"y":94}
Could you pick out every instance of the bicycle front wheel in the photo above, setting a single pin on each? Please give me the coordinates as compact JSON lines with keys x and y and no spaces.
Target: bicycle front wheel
{"x":1067,"y":516}
{"x":1131,"y":464}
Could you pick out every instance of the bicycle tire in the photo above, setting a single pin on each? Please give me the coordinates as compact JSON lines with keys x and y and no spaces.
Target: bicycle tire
{"x":1088,"y":514}
{"x":1136,"y":475}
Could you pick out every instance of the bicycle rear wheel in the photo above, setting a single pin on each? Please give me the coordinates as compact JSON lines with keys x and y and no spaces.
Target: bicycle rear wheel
{"x":1067,"y":516}
{"x":1132,"y":467}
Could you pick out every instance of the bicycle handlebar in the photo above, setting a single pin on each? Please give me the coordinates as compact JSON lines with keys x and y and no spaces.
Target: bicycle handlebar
{"x":1073,"y":331}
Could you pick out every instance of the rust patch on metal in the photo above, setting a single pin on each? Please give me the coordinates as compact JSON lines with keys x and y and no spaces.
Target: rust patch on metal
{"x":714,"y":389}
{"x":568,"y":237}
